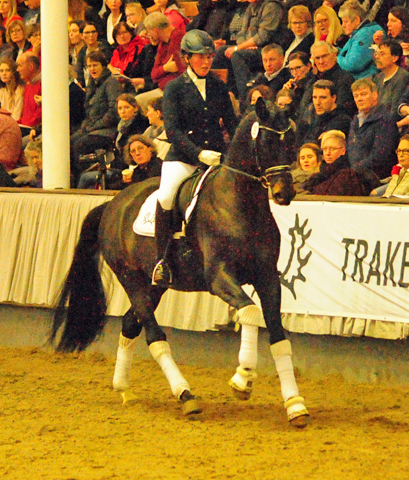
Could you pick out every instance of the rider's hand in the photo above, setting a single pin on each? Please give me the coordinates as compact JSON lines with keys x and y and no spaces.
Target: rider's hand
{"x":210,"y":157}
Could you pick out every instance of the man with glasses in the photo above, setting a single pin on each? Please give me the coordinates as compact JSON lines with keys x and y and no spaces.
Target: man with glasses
{"x":373,"y":136}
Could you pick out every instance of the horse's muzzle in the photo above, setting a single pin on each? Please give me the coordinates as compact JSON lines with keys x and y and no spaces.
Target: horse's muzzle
{"x":282,"y":192}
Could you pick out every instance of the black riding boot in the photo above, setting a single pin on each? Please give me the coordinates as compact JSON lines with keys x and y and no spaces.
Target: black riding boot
{"x":163,"y":230}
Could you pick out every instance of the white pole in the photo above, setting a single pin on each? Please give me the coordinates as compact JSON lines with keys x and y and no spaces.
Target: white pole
{"x":54,"y":78}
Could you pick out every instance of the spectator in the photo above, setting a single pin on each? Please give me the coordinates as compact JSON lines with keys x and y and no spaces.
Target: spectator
{"x":143,"y":162}
{"x":356,"y":55}
{"x":142,"y":82}
{"x":34,"y":155}
{"x":17,"y":36}
{"x":335,"y":176}
{"x":263,"y":24}
{"x":10,"y":141}
{"x":324,"y":56}
{"x":92,"y":44}
{"x":8,"y":12}
{"x":399,"y":184}
{"x":173,"y":13}
{"x":309,"y":159}
{"x":300,"y":23}
{"x":232,"y":24}
{"x":156,"y":130}
{"x":28,"y":66}
{"x":101,"y":118}
{"x":284,"y":98}
{"x":125,"y":57}
{"x":275,"y":75}
{"x":299,"y":66}
{"x":373,"y":136}
{"x":213,"y":17}
{"x":327,"y":25}
{"x":168,"y":64}
{"x":327,"y":114}
{"x":34,"y":37}
{"x":75,"y":40}
{"x":11,"y":88}
{"x":80,"y":11}
{"x":254,"y":94}
{"x":135,"y":15}
{"x":33,"y":14}
{"x":392,"y":80}
{"x":115,"y":12}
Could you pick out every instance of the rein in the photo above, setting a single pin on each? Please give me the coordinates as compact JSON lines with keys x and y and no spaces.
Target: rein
{"x":264,"y":179}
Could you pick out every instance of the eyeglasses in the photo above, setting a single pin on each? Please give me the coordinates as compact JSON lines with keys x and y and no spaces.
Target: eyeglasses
{"x":404,"y":152}
{"x":16,"y":30}
{"x":321,"y":22}
{"x":137,"y":149}
{"x":296,"y":69}
{"x":90,"y":32}
{"x":330,"y":149}
{"x":379,"y":53}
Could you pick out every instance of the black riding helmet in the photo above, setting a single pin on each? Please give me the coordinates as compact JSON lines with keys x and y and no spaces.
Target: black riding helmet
{"x":197,"y":41}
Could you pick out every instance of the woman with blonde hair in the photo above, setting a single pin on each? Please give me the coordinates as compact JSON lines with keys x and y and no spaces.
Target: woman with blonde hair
{"x":8,"y":12}
{"x":327,"y":27}
{"x":16,"y":35}
{"x":300,"y":23}
{"x":11,"y":88}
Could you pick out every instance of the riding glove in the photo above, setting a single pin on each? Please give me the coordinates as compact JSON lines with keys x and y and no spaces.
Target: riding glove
{"x":210,"y":157}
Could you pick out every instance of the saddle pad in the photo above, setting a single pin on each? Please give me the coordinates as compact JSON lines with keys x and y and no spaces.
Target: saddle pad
{"x":145,"y":222}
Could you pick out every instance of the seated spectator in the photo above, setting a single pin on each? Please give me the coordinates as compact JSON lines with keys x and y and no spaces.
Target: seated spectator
{"x":335,"y":176}
{"x":16,"y":35}
{"x":263,"y":24}
{"x":213,"y":17}
{"x":92,"y":44}
{"x":399,"y":184}
{"x":299,"y":66}
{"x":34,"y":155}
{"x":142,"y":81}
{"x":327,"y":114}
{"x":398,"y":28}
{"x":125,"y":58}
{"x":100,"y":124}
{"x":28,"y":66}
{"x":173,"y":13}
{"x":33,"y":14}
{"x":356,"y":56}
{"x":156,"y":130}
{"x":34,"y":37}
{"x":300,"y":23}
{"x":80,"y":11}
{"x":232,"y":24}
{"x":143,"y":163}
{"x":10,"y":141}
{"x":324,"y":57}
{"x":274,"y":75}
{"x":373,"y":136}
{"x":115,"y":12}
{"x":168,"y":63}
{"x":284,"y":98}
{"x":254,"y":94}
{"x":309,"y":159}
{"x":327,"y":26}
{"x":75,"y":40}
{"x":8,"y":12}
{"x":11,"y":88}
{"x":135,"y":15}
{"x":392,"y":80}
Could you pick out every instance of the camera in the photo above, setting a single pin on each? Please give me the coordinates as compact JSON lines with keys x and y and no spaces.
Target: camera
{"x":98,"y":157}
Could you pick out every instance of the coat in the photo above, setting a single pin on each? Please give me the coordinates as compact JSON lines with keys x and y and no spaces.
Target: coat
{"x":191,"y":123}
{"x":356,"y":56}
{"x":372,"y":145}
{"x":101,"y":117}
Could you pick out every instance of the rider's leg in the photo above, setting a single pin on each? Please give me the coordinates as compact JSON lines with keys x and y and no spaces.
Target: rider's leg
{"x":173,"y":174}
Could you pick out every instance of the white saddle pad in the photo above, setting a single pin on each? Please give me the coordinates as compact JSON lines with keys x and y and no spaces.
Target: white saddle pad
{"x":145,"y":222}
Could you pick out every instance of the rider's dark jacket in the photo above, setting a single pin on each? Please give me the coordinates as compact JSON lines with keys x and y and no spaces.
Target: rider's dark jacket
{"x":193,"y":124}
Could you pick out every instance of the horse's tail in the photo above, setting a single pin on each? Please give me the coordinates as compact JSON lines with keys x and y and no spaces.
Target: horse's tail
{"x":84,"y":318}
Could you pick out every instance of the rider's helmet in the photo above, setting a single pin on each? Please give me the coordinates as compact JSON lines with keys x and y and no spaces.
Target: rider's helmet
{"x":197,"y":41}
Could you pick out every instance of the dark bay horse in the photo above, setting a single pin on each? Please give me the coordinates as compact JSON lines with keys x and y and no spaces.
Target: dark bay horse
{"x":231,"y":240}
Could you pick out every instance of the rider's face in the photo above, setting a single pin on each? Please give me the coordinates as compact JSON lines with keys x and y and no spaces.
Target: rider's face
{"x":201,"y":63}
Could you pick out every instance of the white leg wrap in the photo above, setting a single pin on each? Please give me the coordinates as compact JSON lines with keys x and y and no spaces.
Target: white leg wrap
{"x":249,"y":315}
{"x":161,"y":353}
{"x":282,"y":353}
{"x":123,"y":363}
{"x":248,"y":347}
{"x":243,"y":379}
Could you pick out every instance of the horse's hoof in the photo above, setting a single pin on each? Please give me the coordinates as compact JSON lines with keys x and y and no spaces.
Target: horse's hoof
{"x":128,"y":398}
{"x":242,"y":395}
{"x":189,"y":404}
{"x":298,"y":415}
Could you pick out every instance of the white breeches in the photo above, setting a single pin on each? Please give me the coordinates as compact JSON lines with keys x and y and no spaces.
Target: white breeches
{"x":173,"y":174}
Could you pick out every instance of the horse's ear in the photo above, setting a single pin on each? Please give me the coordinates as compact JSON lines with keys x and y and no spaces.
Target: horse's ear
{"x":262,"y":110}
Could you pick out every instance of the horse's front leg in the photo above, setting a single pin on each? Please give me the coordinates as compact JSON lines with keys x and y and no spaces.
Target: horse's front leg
{"x":269,"y":291}
{"x":223,"y":284}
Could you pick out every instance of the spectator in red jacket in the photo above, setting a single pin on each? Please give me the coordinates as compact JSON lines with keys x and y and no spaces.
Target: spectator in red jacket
{"x":28,"y":66}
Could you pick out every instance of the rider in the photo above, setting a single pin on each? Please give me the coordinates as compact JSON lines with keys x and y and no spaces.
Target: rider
{"x":193,"y":105}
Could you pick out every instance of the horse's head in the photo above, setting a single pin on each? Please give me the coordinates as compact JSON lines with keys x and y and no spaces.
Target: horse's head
{"x":263,"y":147}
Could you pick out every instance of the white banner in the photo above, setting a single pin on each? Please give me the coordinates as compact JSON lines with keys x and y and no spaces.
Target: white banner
{"x":349,"y":260}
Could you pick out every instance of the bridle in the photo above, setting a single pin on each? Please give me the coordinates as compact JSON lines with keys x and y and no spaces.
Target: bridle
{"x":265,"y":178}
